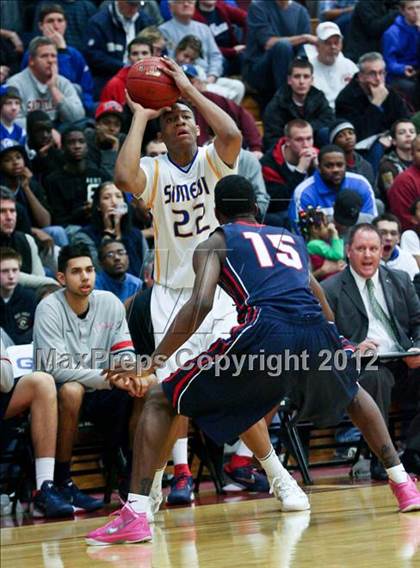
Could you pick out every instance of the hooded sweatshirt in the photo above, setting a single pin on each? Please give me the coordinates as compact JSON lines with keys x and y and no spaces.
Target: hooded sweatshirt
{"x":400,"y":47}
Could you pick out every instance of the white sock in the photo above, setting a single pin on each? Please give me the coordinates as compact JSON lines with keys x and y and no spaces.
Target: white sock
{"x":397,"y":473}
{"x":243,"y":450}
{"x":272,"y":465}
{"x":157,"y":481}
{"x":44,"y":470}
{"x":139,"y":503}
{"x":180,"y":451}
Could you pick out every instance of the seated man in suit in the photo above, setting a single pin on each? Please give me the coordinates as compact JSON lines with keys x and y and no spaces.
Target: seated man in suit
{"x":377,"y":309}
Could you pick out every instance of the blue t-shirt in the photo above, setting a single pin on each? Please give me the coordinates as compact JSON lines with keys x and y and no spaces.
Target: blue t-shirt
{"x":10,"y":137}
{"x":123,"y":289}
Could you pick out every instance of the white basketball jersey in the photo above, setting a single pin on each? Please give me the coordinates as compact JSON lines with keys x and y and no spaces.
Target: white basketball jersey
{"x":182,"y":204}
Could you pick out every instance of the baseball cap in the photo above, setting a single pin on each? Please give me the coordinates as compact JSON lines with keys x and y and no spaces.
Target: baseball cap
{"x":190,"y":70}
{"x":7,"y":145}
{"x":109,"y":107}
{"x":347,"y":207}
{"x":326,"y":30}
{"x":9,"y":92}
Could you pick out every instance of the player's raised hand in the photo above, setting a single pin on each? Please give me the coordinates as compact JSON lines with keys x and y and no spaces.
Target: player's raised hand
{"x":176,"y":72}
{"x":148,"y":112}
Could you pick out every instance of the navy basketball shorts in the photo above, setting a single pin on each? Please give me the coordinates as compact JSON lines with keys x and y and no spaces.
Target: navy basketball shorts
{"x":238,"y":380}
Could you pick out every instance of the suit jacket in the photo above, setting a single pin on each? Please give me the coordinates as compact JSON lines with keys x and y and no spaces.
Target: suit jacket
{"x":350,"y":315}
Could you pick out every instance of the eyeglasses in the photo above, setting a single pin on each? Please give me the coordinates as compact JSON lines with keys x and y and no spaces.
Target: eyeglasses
{"x":114,"y":253}
{"x":373,"y":74}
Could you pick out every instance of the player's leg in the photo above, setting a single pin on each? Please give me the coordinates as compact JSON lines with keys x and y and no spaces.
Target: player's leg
{"x":366,"y":416}
{"x":70,"y":399}
{"x":155,"y":436}
{"x":285,"y":488}
{"x":240,"y":467}
{"x":37,"y":393}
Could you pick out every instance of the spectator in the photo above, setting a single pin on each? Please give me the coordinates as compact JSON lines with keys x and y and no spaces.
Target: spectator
{"x":277,"y":30}
{"x":111,"y":218}
{"x":346,"y":214}
{"x":406,"y":189}
{"x":189,"y":52}
{"x":17,"y":303}
{"x":228,"y":26}
{"x":16,"y":176}
{"x":286,"y":165}
{"x":114,"y":90}
{"x":400,"y":158}
{"x":338,"y":11}
{"x":410,"y":239}
{"x":114,"y":278}
{"x":97,"y":323}
{"x":32,"y":273}
{"x":78,"y":15}
{"x":332,"y":71}
{"x":71,"y":63}
{"x":155,"y":148}
{"x":377,"y":309}
{"x":342,"y":133}
{"x":182,"y":24}
{"x":322,"y":242}
{"x":70,"y":189}
{"x":250,"y":168}
{"x":11,"y":49}
{"x":10,"y":105}
{"x":45,"y":144}
{"x":368,"y":104}
{"x":109,"y":34}
{"x":297,"y":99}
{"x":369,"y":21}
{"x":153,"y":34}
{"x":245,"y":121}
{"x":401,"y":43}
{"x":322,"y":188}
{"x":35,"y":392}
{"x":41,"y":87}
{"x":105,"y":140}
{"x":393,"y":256}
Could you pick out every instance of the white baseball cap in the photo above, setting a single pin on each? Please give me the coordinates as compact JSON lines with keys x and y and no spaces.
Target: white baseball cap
{"x":326,"y":30}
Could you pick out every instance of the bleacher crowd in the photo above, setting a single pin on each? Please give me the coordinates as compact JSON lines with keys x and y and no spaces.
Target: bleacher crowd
{"x":326,"y":95}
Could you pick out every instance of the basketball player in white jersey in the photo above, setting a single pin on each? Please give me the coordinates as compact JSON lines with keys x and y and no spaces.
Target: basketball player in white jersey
{"x":179,"y":189}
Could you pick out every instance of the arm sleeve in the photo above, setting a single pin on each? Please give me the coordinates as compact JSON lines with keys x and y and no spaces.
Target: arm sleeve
{"x":122,"y":345}
{"x":369,"y":203}
{"x":333,"y":251}
{"x":51,"y":352}
{"x":373,"y":25}
{"x":366,"y":121}
{"x":259,"y":23}
{"x":71,"y":108}
{"x":215,"y":57}
{"x":6,"y":370}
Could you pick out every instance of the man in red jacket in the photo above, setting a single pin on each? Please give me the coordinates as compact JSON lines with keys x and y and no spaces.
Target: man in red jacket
{"x":222,"y":20}
{"x":406,"y":189}
{"x":114,"y":90}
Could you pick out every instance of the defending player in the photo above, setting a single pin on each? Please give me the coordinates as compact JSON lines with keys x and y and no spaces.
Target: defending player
{"x":265,"y":270}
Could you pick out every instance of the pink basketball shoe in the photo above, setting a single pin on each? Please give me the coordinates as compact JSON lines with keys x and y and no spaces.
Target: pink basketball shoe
{"x":407,"y":494}
{"x":127,"y":526}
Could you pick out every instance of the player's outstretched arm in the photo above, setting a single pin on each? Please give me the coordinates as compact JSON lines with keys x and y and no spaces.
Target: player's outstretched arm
{"x":128,"y":174}
{"x":228,"y":139}
{"x":207,"y":261}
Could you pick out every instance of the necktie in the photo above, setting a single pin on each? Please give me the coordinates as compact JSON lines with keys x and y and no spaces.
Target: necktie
{"x":380,"y":314}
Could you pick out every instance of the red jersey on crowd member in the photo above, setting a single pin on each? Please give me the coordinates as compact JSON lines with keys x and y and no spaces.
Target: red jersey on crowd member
{"x":406,"y":189}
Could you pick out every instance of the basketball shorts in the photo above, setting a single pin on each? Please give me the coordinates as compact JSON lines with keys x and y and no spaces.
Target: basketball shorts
{"x":166,"y":303}
{"x":239,"y":379}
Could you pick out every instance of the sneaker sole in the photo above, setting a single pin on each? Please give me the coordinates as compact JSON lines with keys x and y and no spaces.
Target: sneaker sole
{"x":181,"y":501}
{"x":245,"y":486}
{"x":77,"y":510}
{"x":294,"y":509}
{"x":415,"y":507}
{"x":93,"y":542}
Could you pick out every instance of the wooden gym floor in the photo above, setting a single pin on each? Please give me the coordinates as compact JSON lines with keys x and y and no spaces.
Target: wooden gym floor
{"x":350,"y":525}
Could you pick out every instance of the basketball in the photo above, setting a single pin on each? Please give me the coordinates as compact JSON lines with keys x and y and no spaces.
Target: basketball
{"x":148,"y":85}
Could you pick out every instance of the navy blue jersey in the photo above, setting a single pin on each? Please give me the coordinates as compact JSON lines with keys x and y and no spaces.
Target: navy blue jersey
{"x":267,"y":267}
